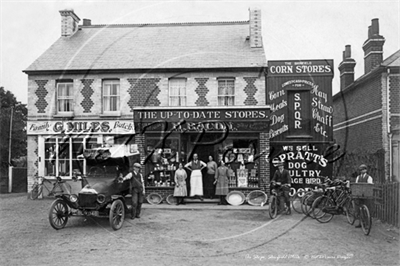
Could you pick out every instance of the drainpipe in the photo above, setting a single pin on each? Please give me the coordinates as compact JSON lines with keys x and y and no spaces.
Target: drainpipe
{"x":390,"y":135}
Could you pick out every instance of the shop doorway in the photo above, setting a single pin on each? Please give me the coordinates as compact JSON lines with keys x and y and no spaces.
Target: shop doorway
{"x":207,"y":147}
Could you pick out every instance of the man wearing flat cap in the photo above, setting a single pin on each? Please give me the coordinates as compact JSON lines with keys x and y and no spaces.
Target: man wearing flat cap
{"x":136,"y":189}
{"x":362,"y":178}
{"x":283,"y":176}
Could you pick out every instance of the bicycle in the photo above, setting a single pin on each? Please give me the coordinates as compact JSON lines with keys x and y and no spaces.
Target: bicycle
{"x":45,"y":187}
{"x":362,"y":191}
{"x":330,"y":204}
{"x":275,"y":202}
{"x":310,"y":195}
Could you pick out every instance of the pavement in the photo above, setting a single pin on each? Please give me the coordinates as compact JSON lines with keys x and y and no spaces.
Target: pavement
{"x":205,"y":205}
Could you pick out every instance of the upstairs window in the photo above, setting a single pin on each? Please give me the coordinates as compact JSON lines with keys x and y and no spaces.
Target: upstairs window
{"x":111,"y":95}
{"x":226,"y":91}
{"x":177,"y":92}
{"x":65,"y":97}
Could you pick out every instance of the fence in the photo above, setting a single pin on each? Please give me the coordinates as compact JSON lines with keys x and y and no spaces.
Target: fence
{"x":386,"y":205}
{"x":19,"y":181}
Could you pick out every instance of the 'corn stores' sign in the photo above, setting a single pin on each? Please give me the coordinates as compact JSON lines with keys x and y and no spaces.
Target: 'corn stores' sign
{"x":300,"y":96}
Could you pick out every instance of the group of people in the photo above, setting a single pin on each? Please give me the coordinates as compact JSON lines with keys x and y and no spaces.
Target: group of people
{"x":216,"y":176}
{"x":219,"y":175}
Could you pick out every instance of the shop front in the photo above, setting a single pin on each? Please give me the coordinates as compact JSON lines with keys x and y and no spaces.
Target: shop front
{"x":301,"y":130}
{"x":62,"y":146}
{"x":237,"y":135}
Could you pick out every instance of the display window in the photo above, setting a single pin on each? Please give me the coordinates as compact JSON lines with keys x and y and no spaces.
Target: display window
{"x":63,"y":155}
{"x":162,"y":158}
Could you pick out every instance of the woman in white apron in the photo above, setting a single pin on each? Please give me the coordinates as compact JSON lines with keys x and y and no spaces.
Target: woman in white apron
{"x":196,"y":177}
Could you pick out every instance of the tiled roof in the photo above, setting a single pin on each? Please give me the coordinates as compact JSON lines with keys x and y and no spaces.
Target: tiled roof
{"x":149,"y":46}
{"x":393,"y":60}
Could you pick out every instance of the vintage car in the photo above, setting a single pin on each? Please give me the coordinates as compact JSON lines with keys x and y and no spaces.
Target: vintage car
{"x":103,"y":194}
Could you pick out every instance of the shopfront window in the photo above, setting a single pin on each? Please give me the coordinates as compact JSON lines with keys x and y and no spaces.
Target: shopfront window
{"x":226,"y":91}
{"x":63,"y":156}
{"x":177,"y":92}
{"x":162,"y":161}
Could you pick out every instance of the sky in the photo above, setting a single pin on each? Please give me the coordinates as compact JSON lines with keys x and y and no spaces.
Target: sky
{"x":291,"y":30}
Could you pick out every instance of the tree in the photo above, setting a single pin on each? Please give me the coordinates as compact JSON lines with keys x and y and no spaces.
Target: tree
{"x":10,"y":107}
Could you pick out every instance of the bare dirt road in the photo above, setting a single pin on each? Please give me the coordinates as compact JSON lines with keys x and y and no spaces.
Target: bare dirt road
{"x":172,"y":236}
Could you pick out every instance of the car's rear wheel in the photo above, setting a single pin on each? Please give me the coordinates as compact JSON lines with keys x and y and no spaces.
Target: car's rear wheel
{"x":58,"y":215}
{"x":117,"y":214}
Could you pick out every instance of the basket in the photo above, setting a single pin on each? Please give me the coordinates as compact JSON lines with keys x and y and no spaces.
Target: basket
{"x":235,"y":198}
{"x":171,"y":200}
{"x":362,"y":190}
{"x":154,"y":198}
{"x":257,"y":198}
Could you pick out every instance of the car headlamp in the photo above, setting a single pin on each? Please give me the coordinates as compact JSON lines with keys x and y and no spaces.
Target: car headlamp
{"x":101,"y":198}
{"x":73,"y":198}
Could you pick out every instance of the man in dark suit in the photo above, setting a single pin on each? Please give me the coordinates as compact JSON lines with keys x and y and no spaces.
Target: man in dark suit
{"x":282,"y":176}
{"x":136,"y":189}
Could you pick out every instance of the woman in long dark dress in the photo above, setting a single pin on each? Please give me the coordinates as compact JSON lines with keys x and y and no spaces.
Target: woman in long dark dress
{"x":222,"y":182}
{"x":209,"y":187}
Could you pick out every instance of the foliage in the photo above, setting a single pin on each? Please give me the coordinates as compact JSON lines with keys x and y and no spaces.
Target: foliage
{"x":9,"y":105}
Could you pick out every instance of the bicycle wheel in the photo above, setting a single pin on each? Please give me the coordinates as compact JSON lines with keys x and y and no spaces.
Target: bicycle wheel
{"x":35,"y":192}
{"x":303,"y":203}
{"x":296,"y":203}
{"x":365,"y":219}
{"x":307,"y":205}
{"x":273,"y":207}
{"x":350,"y":210}
{"x":320,"y":206}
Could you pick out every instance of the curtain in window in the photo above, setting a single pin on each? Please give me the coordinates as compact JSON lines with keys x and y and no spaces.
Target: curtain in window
{"x":226,"y":92}
{"x":64,"y":97}
{"x":177,"y":92}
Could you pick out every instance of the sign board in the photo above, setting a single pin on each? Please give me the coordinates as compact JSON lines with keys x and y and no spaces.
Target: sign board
{"x":308,"y":164}
{"x":242,"y":177}
{"x":188,"y":119}
{"x":300,"y":96}
{"x":75,"y":127}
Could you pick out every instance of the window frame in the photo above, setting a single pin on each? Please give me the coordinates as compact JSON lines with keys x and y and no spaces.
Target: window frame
{"x":182,"y":98}
{"x":106,"y":108}
{"x":225,"y":99}
{"x":65,"y":98}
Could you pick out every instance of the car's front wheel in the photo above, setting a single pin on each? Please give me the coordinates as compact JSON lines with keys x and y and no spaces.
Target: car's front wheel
{"x":117,"y":214}
{"x":58,"y":215}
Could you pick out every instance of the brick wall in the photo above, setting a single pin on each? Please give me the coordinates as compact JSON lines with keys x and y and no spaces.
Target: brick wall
{"x":140,"y":90}
{"x":359,"y":101}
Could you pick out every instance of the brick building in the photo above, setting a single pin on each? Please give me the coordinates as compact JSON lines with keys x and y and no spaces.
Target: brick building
{"x":105,"y":84}
{"x":367,"y":114}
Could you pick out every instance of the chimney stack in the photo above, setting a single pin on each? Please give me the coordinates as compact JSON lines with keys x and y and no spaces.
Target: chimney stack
{"x":87,"y":22}
{"x":373,"y":47}
{"x":255,"y":28}
{"x":346,"y":68}
{"x":69,"y":22}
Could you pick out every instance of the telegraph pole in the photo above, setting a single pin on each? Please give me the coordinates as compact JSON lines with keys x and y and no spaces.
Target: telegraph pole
{"x":9,"y":153}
